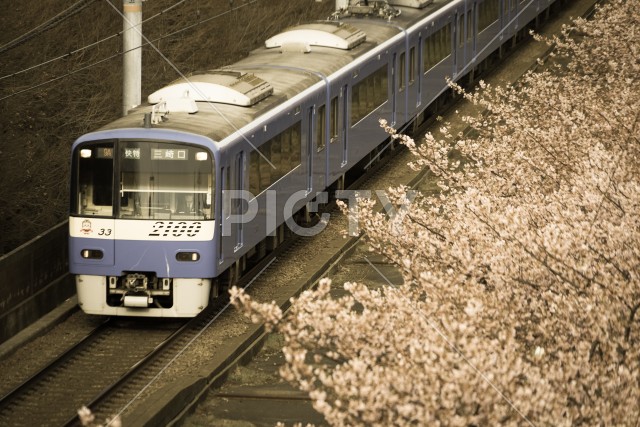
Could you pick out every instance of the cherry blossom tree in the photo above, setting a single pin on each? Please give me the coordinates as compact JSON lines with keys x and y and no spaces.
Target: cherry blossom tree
{"x":88,"y":419}
{"x":521,"y":274}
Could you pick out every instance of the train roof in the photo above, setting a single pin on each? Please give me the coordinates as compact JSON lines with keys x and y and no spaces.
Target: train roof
{"x":217,"y":103}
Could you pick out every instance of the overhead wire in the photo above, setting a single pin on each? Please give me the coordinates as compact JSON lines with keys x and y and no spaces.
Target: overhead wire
{"x":49,"y":24}
{"x":75,"y":51}
{"x":54,"y":79}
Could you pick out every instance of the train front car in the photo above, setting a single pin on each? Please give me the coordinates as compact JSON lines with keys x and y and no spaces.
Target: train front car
{"x":142,"y":223}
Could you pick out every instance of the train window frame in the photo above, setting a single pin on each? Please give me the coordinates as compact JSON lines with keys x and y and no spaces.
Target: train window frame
{"x":488,"y":14}
{"x":469,"y":25}
{"x":369,"y":94}
{"x":171,"y":194}
{"x":401,"y":71}
{"x":127,"y":166}
{"x":461,"y":27}
{"x":509,"y":6}
{"x":79,"y":201}
{"x":437,"y":47}
{"x":334,"y":124}
{"x":320,"y":130}
{"x":282,"y":152}
{"x":412,"y":65}
{"x":226,"y":200}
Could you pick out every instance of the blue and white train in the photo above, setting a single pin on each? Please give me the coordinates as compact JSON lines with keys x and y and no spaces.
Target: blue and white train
{"x":155,"y":228}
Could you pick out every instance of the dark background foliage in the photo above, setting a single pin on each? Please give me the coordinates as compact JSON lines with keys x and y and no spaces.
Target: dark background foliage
{"x":83,"y":91}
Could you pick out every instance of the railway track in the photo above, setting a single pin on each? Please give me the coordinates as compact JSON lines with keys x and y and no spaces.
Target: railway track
{"x":112,"y":367}
{"x":109,"y":368}
{"x":116,"y":397}
{"x":99,"y":361}
{"x":237,"y":402}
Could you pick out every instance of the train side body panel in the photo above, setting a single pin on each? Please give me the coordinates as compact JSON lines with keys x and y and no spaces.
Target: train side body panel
{"x":162,"y":214}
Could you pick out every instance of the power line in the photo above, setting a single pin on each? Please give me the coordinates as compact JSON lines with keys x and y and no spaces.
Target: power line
{"x":70,"y":73}
{"x":60,"y":17}
{"x":118,"y":34}
{"x":73,"y":52}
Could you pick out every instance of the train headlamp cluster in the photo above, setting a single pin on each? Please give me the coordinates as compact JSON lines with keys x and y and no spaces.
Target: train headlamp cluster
{"x":91,"y":254}
{"x":180,"y":256}
{"x":188,"y":256}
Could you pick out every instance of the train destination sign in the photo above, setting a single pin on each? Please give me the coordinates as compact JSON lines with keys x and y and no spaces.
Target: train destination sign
{"x":168,"y":154}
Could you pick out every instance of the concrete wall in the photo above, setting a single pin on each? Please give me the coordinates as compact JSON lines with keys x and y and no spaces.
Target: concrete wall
{"x":34,"y":279}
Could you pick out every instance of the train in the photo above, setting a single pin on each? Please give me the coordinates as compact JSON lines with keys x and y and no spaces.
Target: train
{"x":170,"y":203}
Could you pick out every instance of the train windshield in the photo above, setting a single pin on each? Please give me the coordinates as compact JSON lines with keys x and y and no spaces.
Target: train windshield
{"x":143,"y":180}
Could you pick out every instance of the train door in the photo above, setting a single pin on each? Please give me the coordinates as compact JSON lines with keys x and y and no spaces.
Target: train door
{"x":471,"y":32}
{"x":510,"y":17}
{"x":464,"y":40}
{"x":419,"y":71}
{"x":345,"y":123}
{"x":320,"y":146}
{"x":397,"y":82}
{"x":237,"y":201}
{"x":310,"y":148}
{"x":225,"y":210}
{"x":457,"y":52}
{"x":459,"y":42}
{"x":334,"y":149}
{"x":508,"y":14}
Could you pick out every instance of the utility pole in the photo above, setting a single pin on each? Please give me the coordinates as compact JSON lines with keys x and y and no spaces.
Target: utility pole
{"x":132,"y":62}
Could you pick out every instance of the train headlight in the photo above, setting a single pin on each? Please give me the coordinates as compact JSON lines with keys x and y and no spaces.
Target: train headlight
{"x":201,"y":156}
{"x":188,"y":256}
{"x":85,"y":153}
{"x":91,"y":254}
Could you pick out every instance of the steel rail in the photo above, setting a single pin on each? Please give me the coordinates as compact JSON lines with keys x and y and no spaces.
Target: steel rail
{"x":6,"y":400}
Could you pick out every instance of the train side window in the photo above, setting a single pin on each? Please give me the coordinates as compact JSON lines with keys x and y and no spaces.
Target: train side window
{"x":355,"y":102}
{"x":488,"y":12}
{"x":296,"y":140}
{"x":460,"y":30}
{"x":509,"y":5}
{"x":264,"y":166}
{"x":254,"y":173}
{"x":238,"y":201}
{"x":285,"y":155}
{"x":369,"y":94}
{"x":321,"y":121}
{"x":287,"y":142}
{"x":274,"y":159}
{"x":226,"y":203}
{"x":412,"y":65}
{"x":437,"y":47}
{"x":402,"y":70}
{"x":333,"y":128}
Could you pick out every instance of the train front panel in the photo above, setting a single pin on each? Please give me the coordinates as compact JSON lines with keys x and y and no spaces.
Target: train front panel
{"x":142,"y":225}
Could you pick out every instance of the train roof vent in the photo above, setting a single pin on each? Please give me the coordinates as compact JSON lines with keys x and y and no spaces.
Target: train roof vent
{"x":327,"y":34}
{"x":418,"y":4}
{"x":222,"y":86}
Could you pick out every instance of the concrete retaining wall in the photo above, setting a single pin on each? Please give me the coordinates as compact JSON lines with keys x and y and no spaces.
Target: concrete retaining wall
{"x":34,"y":279}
